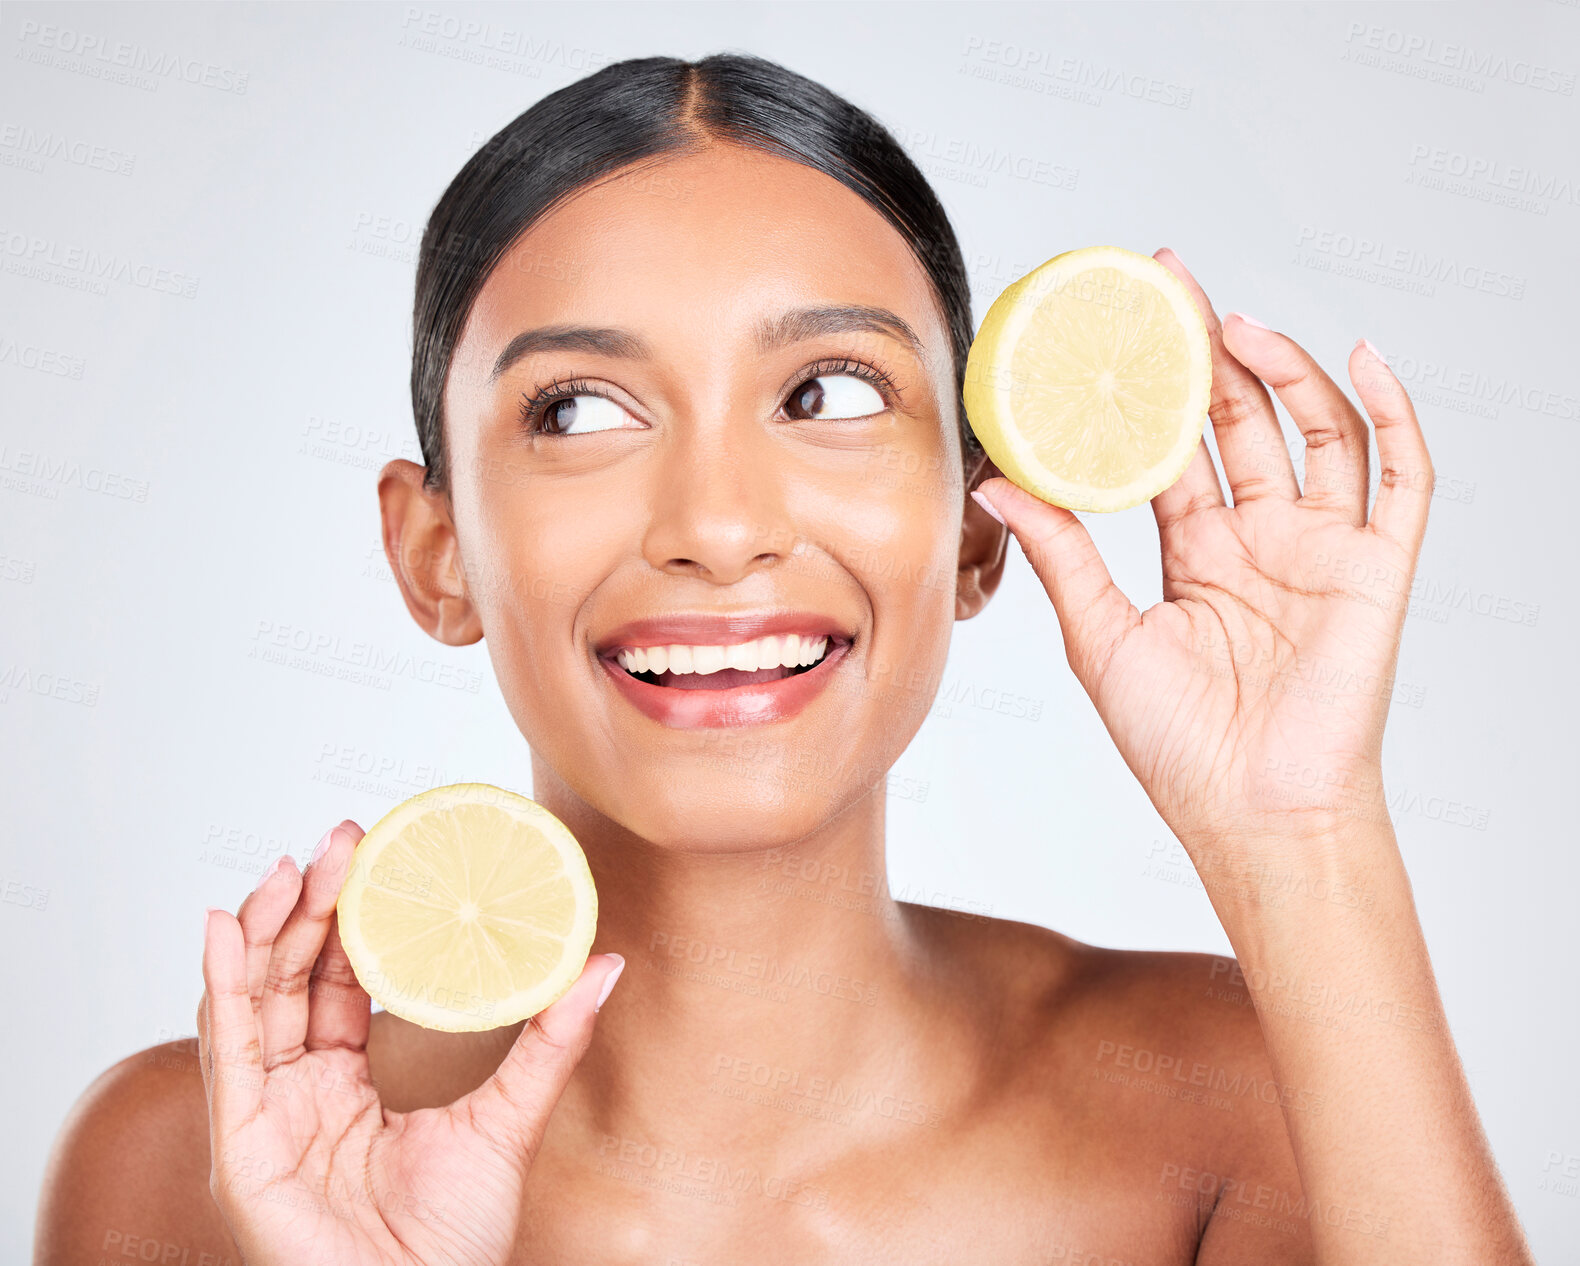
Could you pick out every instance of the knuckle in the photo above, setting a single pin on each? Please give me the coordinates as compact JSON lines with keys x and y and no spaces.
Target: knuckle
{"x":286,"y":978}
{"x":1404,"y":477}
{"x":1236,"y":404}
{"x":1193,"y":504}
{"x":1334,"y":424}
{"x":549,"y":1048}
{"x":334,"y":971}
{"x":1049,"y":533}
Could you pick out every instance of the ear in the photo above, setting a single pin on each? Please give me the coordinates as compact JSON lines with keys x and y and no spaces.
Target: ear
{"x":984,"y":544}
{"x":425,"y":556}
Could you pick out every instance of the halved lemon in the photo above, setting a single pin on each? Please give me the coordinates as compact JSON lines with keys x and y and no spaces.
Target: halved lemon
{"x":467,"y":907}
{"x":1089,"y":380}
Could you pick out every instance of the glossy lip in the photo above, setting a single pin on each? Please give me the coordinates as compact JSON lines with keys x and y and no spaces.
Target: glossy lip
{"x":755,"y":704}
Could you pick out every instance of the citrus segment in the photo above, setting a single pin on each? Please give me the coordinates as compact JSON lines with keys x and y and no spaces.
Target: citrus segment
{"x":467,"y":907}
{"x":1089,"y":380}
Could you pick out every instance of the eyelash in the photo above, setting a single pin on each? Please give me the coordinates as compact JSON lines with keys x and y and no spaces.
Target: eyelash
{"x":536,"y":403}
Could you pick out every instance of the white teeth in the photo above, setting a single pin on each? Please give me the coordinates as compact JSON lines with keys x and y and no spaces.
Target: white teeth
{"x":790,"y":651}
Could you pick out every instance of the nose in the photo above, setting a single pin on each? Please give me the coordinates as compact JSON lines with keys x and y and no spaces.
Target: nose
{"x":719,"y":509}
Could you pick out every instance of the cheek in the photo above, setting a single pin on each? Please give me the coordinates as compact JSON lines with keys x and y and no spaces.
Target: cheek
{"x":530,"y":565}
{"x":901,"y":540}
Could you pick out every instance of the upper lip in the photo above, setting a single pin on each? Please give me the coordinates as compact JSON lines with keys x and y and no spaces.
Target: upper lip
{"x":718,"y":629}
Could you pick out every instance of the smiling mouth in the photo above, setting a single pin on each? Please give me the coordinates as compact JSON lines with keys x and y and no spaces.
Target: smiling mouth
{"x":726,"y":667}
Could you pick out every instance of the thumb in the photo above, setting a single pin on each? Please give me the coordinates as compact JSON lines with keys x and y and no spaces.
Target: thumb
{"x":1094,"y":614}
{"x":512,"y":1107}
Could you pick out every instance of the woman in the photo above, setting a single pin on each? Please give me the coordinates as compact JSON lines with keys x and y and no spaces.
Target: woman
{"x":676,"y":326}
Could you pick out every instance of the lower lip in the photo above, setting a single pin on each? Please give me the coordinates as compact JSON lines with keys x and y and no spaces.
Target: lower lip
{"x":756,"y":704}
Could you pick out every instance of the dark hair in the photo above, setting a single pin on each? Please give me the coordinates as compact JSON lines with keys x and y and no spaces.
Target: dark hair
{"x":640,"y":110}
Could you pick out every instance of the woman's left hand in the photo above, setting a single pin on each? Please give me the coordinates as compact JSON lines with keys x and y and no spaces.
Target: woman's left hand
{"x":1250,"y":702}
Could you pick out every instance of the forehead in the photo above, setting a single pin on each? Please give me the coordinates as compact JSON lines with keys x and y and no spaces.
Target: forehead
{"x":698,"y":248}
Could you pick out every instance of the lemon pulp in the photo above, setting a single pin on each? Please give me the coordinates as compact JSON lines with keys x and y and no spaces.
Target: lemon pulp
{"x":1089,"y":380}
{"x":467,"y":907}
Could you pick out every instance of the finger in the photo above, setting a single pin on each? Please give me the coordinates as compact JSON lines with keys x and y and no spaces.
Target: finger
{"x":1094,"y":615}
{"x":1194,"y":491}
{"x":263,"y":914}
{"x":228,"y":1040}
{"x":339,"y":1011}
{"x":511,"y":1108}
{"x":1406,"y":476}
{"x":284,"y":1005}
{"x":1337,"y":475}
{"x":202,"y":1032}
{"x":1250,"y":442}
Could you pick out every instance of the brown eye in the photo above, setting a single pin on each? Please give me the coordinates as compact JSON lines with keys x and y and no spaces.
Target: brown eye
{"x":576,"y":414}
{"x":833,"y":396}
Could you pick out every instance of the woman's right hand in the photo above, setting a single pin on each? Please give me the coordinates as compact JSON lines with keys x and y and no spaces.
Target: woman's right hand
{"x":307,"y":1164}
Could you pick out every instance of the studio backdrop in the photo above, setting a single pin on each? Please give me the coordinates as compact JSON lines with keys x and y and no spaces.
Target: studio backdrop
{"x":209,"y":228}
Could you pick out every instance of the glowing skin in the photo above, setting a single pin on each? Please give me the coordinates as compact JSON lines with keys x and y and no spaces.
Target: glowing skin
{"x":794,"y":1067}
{"x":708,"y":501}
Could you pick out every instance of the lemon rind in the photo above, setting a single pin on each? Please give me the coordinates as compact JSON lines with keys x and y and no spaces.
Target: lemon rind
{"x":991,"y":416}
{"x":519,"y":1005}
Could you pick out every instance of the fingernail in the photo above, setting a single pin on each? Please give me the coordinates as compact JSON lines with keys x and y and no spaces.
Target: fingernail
{"x":1370,"y":347}
{"x":323,"y":845}
{"x":279,"y":865}
{"x":1251,"y":320}
{"x":608,"y":981}
{"x":976,"y":495}
{"x":208,"y":917}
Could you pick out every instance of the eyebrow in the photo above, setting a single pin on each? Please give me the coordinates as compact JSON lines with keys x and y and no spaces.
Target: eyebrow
{"x":796,"y":326}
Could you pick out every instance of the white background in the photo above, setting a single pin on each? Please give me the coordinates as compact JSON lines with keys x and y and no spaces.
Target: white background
{"x":211,"y":461}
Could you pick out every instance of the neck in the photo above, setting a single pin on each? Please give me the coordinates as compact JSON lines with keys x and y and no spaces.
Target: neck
{"x":777,"y":964}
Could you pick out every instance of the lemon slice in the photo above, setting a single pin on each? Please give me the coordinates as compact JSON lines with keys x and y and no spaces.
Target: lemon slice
{"x":467,"y":907}
{"x":1089,"y":380}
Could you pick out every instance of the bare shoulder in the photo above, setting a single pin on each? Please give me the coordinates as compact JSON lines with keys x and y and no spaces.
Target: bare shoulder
{"x":1153,"y":1066}
{"x":1183,"y":1019}
{"x":128,"y":1174}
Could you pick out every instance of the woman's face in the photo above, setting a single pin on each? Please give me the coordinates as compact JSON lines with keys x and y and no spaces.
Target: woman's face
{"x":699,"y":405}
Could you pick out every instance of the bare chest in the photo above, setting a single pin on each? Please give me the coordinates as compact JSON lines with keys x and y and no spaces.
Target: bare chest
{"x":932,"y":1197}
